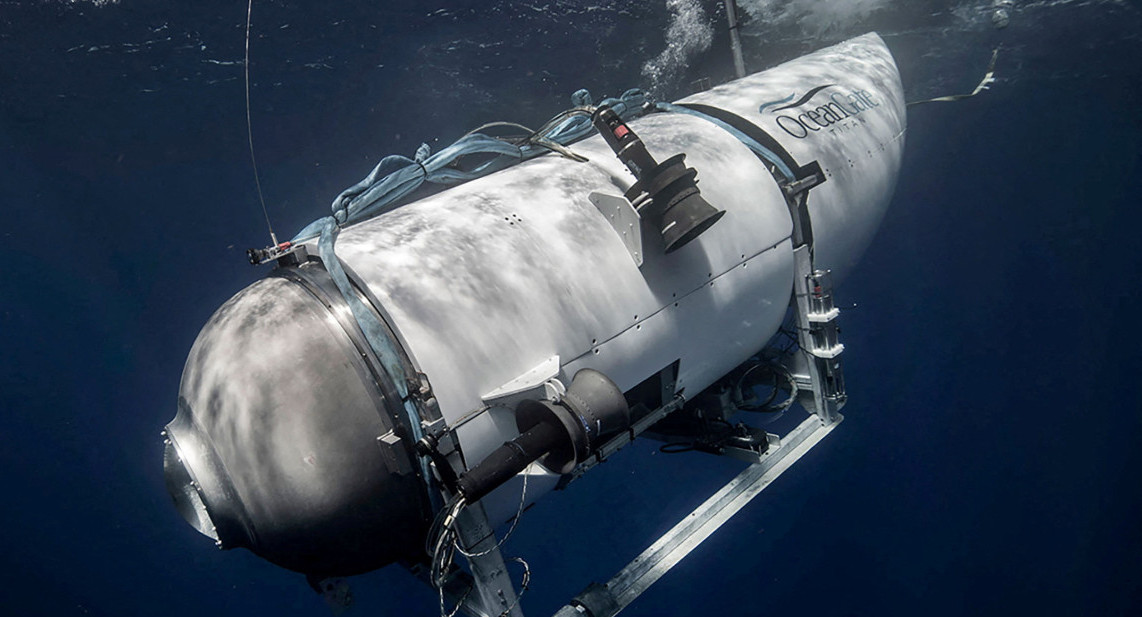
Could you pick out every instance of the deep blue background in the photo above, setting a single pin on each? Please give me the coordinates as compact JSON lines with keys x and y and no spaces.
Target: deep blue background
{"x":989,"y":460}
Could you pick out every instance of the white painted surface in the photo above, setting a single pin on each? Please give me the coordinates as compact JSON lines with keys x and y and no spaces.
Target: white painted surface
{"x":486,"y":281}
{"x":860,"y":154}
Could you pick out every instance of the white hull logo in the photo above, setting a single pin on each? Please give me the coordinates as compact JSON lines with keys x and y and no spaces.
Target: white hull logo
{"x":829,"y":116}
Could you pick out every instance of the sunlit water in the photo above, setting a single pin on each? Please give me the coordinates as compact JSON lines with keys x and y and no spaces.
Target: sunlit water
{"x":983,"y":468}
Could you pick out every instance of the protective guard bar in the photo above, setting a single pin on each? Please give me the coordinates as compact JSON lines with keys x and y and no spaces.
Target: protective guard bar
{"x":607,"y":600}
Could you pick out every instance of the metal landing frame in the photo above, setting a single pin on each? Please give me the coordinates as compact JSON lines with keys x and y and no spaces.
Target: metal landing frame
{"x":493,"y":586}
{"x":642,"y":572}
{"x":816,"y":370}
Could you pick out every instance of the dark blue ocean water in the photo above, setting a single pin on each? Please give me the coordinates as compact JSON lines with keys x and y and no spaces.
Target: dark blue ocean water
{"x":989,"y":461}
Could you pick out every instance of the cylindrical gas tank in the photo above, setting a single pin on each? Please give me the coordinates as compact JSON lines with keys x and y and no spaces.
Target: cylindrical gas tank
{"x":289,"y":436}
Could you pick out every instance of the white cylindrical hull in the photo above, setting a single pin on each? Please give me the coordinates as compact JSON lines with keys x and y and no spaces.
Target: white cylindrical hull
{"x":294,"y":440}
{"x":485,"y":281}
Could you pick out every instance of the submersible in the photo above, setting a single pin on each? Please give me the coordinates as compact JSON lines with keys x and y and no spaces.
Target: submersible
{"x":523,"y":314}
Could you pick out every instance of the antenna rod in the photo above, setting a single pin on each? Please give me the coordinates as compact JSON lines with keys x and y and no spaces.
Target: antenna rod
{"x":250,"y":126}
{"x":735,"y":38}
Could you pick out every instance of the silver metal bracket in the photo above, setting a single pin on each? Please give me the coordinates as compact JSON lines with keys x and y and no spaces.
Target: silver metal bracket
{"x":392,"y":452}
{"x":281,"y":252}
{"x":625,"y":220}
{"x":819,"y":366}
{"x":533,"y":383}
{"x":753,"y":450}
{"x":796,"y":187}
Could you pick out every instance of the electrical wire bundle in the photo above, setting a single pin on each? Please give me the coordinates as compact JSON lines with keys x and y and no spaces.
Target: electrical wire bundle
{"x":396,"y":176}
{"x":768,"y":406}
{"x":443,"y":542}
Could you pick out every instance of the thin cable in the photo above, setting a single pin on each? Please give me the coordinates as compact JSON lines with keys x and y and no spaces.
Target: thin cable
{"x":434,"y":529}
{"x":515,"y":521}
{"x":793,"y":390}
{"x":459,"y":604}
{"x":739,"y":397}
{"x":396,"y":177}
{"x":499,"y":124}
{"x":446,"y":544}
{"x":984,"y":84}
{"x":523,"y":585}
{"x":250,"y":126}
{"x":444,"y":551}
{"x":444,"y":548}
